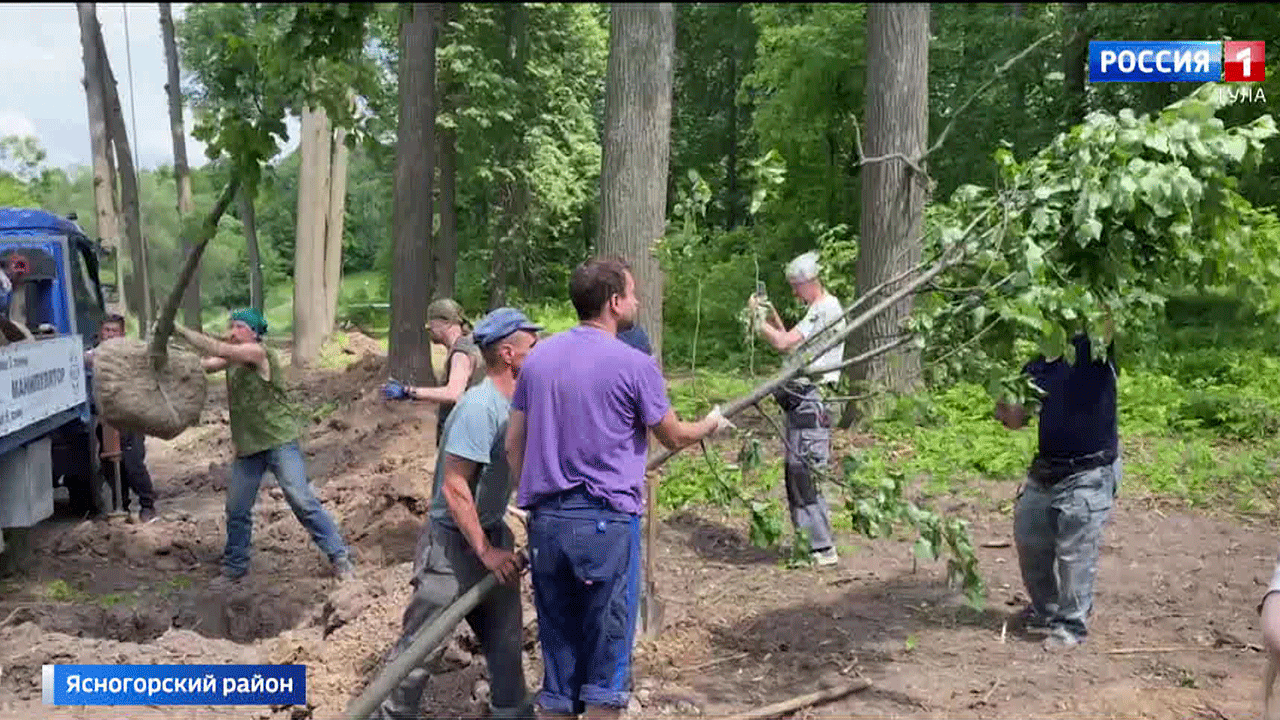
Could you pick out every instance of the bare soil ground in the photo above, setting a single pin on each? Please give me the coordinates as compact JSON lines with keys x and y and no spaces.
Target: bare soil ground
{"x":1174,"y":632}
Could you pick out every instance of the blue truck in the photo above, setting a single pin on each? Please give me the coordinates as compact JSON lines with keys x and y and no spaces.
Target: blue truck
{"x":47,"y":425}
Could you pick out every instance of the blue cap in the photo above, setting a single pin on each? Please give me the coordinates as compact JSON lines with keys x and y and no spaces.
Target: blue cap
{"x":500,"y":323}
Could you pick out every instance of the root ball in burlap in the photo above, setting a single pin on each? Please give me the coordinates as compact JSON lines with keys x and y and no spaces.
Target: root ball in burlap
{"x":133,"y":397}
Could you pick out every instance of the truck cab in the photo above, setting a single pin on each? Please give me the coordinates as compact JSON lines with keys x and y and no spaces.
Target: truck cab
{"x":47,"y":424}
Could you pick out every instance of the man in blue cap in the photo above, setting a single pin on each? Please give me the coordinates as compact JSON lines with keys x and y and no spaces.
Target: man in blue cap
{"x":465,"y":537}
{"x":264,"y":431}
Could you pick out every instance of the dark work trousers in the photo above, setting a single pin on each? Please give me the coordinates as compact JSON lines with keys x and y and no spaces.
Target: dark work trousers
{"x":444,"y":568}
{"x":808,"y":448}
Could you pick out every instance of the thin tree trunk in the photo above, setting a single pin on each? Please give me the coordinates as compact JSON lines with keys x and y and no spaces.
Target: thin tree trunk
{"x":446,"y":249}
{"x":409,"y":346}
{"x":731,"y":159}
{"x":1075,"y":57}
{"x":144,"y":303}
{"x":509,"y":244}
{"x":248,"y":218}
{"x":334,"y":227}
{"x":181,"y":171}
{"x":309,"y":298}
{"x":637,"y":147}
{"x":104,"y":194}
{"x":893,"y":194}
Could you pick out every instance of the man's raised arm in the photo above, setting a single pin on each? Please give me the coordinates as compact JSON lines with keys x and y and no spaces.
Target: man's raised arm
{"x":246,"y":353}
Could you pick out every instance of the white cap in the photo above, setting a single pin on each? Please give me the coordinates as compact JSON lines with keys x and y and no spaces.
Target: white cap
{"x":804,"y":268}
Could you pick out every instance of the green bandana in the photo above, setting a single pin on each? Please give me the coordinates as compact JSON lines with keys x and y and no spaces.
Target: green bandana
{"x":252,"y":318}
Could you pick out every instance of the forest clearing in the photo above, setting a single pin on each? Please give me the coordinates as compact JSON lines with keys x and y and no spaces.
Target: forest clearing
{"x":1176,"y":631}
{"x":969,"y":225}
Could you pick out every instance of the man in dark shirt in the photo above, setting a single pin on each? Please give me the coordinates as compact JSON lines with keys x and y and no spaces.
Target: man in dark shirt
{"x":637,"y":338}
{"x":1066,"y":500}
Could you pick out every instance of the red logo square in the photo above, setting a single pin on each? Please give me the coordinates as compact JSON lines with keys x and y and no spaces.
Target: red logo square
{"x":1244,"y":60}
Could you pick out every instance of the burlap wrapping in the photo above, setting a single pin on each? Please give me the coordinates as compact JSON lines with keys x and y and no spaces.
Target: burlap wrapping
{"x":133,"y":397}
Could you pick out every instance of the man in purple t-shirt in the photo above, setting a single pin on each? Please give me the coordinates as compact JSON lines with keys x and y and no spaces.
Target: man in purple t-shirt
{"x":577,"y":439}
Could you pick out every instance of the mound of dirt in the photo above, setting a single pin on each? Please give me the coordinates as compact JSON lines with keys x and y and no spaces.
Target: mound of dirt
{"x":25,"y":647}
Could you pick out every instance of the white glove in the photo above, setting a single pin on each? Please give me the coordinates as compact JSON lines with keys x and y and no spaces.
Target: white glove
{"x":722,"y":422}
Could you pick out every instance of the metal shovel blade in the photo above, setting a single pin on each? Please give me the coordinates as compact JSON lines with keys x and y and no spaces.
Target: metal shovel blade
{"x":651,"y":606}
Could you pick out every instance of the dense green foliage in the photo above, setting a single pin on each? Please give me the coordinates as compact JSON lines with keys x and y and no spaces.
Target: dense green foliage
{"x":1134,"y":199}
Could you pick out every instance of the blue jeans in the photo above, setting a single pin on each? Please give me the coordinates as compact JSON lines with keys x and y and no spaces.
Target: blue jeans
{"x":286,"y":463}
{"x":584,"y":560}
{"x":1058,"y":532}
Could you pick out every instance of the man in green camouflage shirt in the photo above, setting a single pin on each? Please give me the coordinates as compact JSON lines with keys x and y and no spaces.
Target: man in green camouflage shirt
{"x":265,"y":434}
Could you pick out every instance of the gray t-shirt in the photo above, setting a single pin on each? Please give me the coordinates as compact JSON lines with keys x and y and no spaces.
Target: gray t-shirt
{"x":476,"y":430}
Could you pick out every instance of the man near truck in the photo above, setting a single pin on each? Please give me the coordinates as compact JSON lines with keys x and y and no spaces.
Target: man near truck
{"x":265,"y":434}
{"x":11,"y":273}
{"x":133,"y":450}
{"x":465,"y":537}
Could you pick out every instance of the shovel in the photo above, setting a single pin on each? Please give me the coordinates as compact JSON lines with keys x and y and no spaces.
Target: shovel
{"x":651,"y":606}
{"x":111,"y":453}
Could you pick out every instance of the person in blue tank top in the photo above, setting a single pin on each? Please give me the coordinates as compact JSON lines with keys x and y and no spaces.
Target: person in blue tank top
{"x":1066,"y":500}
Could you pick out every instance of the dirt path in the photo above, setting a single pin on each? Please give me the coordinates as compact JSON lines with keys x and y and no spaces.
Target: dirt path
{"x":1176,"y":592}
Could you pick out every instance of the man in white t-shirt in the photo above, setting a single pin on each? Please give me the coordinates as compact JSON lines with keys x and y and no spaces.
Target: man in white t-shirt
{"x":808,"y":424}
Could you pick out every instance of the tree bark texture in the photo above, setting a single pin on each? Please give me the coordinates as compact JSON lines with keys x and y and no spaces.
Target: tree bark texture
{"x":309,"y":250}
{"x":409,"y":345}
{"x":142,"y":302}
{"x":104,"y":190}
{"x":1075,"y":58}
{"x":181,"y":170}
{"x":637,"y":146}
{"x":446,"y":248}
{"x":893,"y":195}
{"x":335,"y":222}
{"x":248,"y":218}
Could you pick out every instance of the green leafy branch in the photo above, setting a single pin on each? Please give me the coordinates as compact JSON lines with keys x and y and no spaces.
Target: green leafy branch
{"x":877,"y":508}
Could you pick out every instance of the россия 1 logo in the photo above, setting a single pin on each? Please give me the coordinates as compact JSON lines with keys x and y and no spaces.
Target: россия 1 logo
{"x":1176,"y":61}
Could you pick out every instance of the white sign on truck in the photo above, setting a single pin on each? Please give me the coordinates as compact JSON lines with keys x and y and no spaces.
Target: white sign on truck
{"x":39,"y":379}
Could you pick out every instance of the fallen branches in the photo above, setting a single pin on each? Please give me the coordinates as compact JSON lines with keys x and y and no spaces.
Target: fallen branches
{"x":803,"y":701}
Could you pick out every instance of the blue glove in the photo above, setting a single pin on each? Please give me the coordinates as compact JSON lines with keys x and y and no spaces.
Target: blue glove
{"x":395,"y":391}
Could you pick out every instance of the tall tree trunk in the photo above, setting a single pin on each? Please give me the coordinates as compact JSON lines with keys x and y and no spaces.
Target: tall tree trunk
{"x":509,"y":244}
{"x":143,"y":302}
{"x":409,"y":346}
{"x":731,"y":157}
{"x":637,"y":147}
{"x":248,"y":218}
{"x":897,"y":121}
{"x":334,"y":226}
{"x":104,"y":188}
{"x":181,"y":171}
{"x":1075,"y":58}
{"x":446,"y":249}
{"x":309,"y":314}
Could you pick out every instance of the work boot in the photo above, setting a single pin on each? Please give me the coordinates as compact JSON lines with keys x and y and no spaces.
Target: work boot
{"x":825,"y":557}
{"x":146,"y":514}
{"x":1030,"y":621}
{"x":1061,"y":638}
{"x":226,"y":582}
{"x":343,"y":569}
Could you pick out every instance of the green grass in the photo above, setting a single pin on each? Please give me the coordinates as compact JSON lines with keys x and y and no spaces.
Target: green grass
{"x":1195,"y":431}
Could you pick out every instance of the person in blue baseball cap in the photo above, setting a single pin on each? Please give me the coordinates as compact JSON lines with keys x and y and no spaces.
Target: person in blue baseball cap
{"x":465,"y":537}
